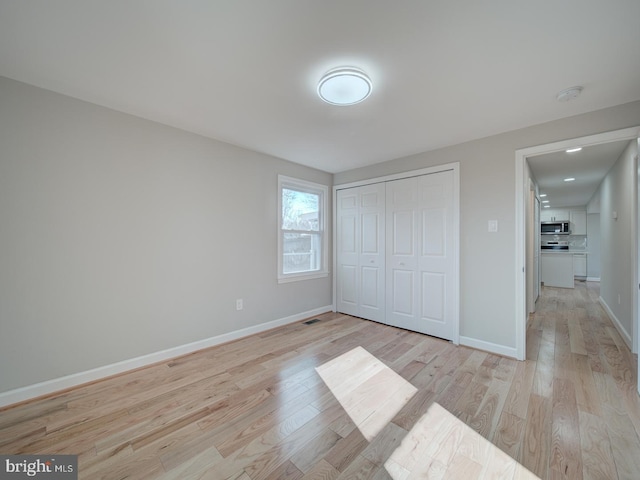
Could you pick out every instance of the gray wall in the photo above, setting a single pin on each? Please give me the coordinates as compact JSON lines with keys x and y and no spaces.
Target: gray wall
{"x":487,"y":186}
{"x":593,"y":245}
{"x":616,"y":195}
{"x":122,"y":237}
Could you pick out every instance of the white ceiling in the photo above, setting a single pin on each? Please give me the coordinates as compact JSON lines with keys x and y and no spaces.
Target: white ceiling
{"x":245,"y":71}
{"x":588,"y":166}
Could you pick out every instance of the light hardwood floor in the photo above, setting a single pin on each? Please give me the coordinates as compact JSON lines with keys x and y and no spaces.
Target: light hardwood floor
{"x":258,"y":408}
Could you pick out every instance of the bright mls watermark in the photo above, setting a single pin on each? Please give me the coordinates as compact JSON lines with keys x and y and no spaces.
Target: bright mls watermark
{"x":53,"y":467}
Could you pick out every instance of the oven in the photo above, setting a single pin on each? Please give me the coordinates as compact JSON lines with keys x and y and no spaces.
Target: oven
{"x":557,"y":245}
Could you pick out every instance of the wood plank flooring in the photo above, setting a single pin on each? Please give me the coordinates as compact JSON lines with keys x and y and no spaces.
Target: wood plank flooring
{"x":258,"y":408}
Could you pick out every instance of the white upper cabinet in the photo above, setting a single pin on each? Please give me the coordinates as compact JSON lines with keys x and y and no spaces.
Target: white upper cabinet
{"x":546,"y":215}
{"x":554,"y":215}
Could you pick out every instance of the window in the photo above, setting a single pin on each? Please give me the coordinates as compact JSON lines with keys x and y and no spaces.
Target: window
{"x":302,"y":236}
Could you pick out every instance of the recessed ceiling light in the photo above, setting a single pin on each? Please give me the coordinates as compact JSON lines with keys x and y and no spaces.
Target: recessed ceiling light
{"x":344,"y":86}
{"x":569,"y":93}
{"x":573,"y":150}
{"x":547,"y":206}
{"x":570,"y":179}
{"x":543,"y":195}
{"x":545,"y":201}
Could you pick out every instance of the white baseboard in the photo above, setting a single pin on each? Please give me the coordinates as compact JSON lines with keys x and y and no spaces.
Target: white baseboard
{"x":593,"y":279}
{"x":50,"y":386}
{"x":623,"y":333}
{"x":489,"y":347}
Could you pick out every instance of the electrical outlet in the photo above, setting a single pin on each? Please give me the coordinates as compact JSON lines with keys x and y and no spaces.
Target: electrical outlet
{"x":239,"y":305}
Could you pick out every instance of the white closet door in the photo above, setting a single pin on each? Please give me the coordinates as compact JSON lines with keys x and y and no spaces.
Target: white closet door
{"x":420,"y":279}
{"x":360,"y":252}
{"x":402,"y":265}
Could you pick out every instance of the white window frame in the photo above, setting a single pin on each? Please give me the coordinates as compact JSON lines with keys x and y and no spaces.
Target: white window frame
{"x":310,"y":187}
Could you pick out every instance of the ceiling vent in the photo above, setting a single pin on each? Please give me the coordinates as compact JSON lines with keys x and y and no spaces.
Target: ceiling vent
{"x":569,"y":94}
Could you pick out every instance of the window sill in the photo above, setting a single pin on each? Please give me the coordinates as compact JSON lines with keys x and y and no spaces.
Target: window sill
{"x":295,"y":277}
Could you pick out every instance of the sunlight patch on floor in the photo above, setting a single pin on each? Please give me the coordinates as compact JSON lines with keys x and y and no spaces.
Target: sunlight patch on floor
{"x":439,"y":446}
{"x":369,"y":391}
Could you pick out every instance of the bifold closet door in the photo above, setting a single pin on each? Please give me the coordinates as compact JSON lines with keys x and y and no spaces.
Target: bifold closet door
{"x":420,"y":278}
{"x":360,"y":255}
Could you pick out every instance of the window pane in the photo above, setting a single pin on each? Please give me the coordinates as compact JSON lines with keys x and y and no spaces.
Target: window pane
{"x":302,"y":238}
{"x":300,"y":252}
{"x":300,"y":210}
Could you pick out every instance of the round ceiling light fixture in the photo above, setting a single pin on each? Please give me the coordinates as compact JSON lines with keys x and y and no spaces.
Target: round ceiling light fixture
{"x":344,"y":86}
{"x":569,"y":94}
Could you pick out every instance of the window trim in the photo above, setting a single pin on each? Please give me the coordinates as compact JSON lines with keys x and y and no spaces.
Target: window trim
{"x":310,"y":187}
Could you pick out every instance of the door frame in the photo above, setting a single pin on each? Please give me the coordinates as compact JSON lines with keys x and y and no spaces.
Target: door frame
{"x":533,"y":247}
{"x":455,"y":167}
{"x":522,"y":195}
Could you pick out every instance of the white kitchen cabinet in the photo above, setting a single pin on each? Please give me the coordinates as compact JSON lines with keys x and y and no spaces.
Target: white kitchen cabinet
{"x":579,"y":264}
{"x":578,"y":219}
{"x":557,"y":269}
{"x":546,"y":215}
{"x":554,"y":215}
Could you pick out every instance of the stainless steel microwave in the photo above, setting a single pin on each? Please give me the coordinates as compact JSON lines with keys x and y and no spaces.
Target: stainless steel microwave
{"x":554,"y":228}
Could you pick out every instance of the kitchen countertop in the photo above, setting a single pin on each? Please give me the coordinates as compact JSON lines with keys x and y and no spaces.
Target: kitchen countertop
{"x":564,"y":252}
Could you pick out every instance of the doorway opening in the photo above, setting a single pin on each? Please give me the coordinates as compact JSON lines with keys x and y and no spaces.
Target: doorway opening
{"x":522,"y":220}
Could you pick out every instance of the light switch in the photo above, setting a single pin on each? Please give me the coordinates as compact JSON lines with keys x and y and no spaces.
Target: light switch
{"x":493,"y":226}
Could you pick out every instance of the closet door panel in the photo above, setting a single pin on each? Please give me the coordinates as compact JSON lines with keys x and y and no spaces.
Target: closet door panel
{"x":403,"y":234}
{"x":361,"y":254}
{"x":401,"y":282}
{"x":420,"y":254}
{"x":372,"y":252}
{"x":348,"y":290}
{"x":433,"y":297}
{"x":402,"y":302}
{"x":370,"y":233}
{"x":370,"y":288}
{"x":434,"y":232}
{"x":436,"y":261}
{"x":347,"y":240}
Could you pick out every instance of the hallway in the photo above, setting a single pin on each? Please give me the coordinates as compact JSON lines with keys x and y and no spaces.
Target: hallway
{"x":584,"y":399}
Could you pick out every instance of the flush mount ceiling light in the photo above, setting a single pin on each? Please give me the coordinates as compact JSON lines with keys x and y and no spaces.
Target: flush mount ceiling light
{"x":573,"y":150}
{"x":344,"y":86}
{"x":570,"y":179}
{"x":569,"y":94}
